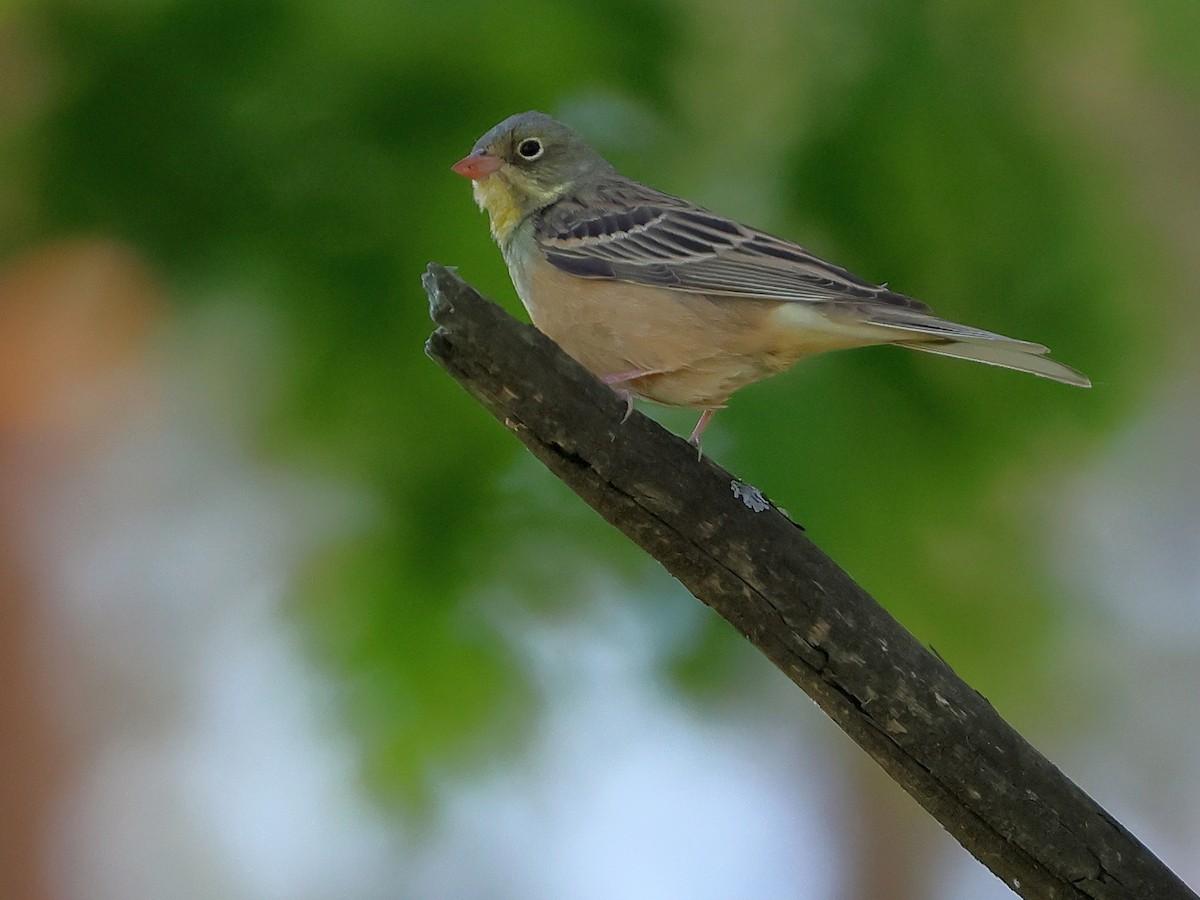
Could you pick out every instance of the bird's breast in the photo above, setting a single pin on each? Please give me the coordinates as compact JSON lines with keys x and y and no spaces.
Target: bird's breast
{"x":696,"y":349}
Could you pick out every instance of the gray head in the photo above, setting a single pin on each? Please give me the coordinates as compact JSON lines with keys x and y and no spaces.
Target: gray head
{"x":534,"y":158}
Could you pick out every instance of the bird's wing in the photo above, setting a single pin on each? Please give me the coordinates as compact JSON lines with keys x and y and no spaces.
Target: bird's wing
{"x":625,"y":231}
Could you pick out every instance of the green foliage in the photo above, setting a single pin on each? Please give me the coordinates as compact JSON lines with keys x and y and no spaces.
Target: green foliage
{"x":297,"y":153}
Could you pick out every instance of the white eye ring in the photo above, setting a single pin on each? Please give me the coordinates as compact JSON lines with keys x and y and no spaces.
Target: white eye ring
{"x":530,"y":149}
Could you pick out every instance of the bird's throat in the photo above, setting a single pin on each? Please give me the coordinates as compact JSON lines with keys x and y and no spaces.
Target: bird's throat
{"x":495,"y":196}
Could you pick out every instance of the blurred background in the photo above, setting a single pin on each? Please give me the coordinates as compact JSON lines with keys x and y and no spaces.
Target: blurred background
{"x":286,"y":615}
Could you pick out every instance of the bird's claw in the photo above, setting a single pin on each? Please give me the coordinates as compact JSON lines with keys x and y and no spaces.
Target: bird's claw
{"x":628,"y":395}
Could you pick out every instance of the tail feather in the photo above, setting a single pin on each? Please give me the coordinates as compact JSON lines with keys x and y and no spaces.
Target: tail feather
{"x":1007,"y":354}
{"x":932,"y":328}
{"x":925,"y":332}
{"x":928,"y":333}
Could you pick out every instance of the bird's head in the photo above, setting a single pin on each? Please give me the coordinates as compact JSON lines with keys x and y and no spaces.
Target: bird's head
{"x":524,"y":164}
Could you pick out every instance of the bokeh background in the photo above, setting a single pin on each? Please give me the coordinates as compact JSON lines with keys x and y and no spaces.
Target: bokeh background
{"x":285,"y":615}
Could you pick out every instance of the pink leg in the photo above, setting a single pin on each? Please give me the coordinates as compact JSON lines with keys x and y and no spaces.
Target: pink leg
{"x":705,"y":418}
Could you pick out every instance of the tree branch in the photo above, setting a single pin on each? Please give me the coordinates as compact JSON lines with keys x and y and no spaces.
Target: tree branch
{"x":938,"y":738}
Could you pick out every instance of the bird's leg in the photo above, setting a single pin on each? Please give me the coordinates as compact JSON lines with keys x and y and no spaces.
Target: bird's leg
{"x":617,"y":380}
{"x":705,"y":418}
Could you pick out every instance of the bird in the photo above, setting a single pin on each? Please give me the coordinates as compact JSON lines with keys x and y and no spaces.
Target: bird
{"x":665,"y":300}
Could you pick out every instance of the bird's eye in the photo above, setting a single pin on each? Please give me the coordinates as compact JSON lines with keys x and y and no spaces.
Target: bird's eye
{"x":530,"y":148}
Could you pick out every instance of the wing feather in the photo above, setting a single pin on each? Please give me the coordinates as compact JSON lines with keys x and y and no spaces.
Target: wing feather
{"x":626,"y":231}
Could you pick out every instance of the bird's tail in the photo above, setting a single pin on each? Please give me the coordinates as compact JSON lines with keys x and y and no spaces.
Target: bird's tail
{"x":1008,"y":356}
{"x":933,"y":335}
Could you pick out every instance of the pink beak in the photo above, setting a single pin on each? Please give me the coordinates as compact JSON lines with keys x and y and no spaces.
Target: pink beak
{"x":477,"y":166}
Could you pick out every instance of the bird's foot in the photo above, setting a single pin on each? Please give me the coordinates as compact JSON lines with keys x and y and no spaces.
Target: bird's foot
{"x":617,"y":382}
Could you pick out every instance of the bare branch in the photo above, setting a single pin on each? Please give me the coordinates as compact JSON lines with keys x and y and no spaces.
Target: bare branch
{"x":938,"y":738}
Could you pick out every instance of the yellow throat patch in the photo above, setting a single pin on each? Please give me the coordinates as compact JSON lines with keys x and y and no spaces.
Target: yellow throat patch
{"x":495,"y":197}
{"x":507,"y":204}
